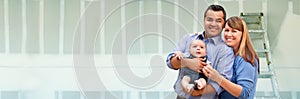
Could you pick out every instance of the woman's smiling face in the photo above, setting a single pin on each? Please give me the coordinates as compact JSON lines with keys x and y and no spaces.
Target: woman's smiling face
{"x":232,"y":37}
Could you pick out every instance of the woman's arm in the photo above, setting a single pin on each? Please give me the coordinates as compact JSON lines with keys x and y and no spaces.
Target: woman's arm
{"x":232,"y":88}
{"x":227,"y":85}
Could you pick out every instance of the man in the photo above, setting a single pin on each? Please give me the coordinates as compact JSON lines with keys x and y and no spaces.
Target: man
{"x":219,"y":54}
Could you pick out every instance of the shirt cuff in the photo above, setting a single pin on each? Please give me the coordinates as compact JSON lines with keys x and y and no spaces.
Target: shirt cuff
{"x":168,"y":61}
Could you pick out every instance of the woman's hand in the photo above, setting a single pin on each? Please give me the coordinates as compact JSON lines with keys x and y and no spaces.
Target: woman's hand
{"x":212,"y":74}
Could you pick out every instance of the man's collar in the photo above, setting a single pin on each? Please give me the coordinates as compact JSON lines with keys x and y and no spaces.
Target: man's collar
{"x":201,"y":36}
{"x":214,"y":39}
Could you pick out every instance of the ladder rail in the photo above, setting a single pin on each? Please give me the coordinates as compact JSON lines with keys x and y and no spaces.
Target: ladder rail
{"x":269,"y":60}
{"x":256,"y":25}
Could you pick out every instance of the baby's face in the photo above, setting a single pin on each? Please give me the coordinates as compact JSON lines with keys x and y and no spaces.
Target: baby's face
{"x":198,"y":48}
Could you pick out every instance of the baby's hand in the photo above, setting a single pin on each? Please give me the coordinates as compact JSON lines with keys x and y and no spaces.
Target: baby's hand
{"x":178,"y":55}
{"x":200,"y":83}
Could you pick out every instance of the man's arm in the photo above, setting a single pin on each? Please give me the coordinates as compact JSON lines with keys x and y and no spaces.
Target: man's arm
{"x":206,"y":90}
{"x":195,"y":64}
{"x":175,"y":62}
{"x":175,"y":59}
{"x":224,"y":66}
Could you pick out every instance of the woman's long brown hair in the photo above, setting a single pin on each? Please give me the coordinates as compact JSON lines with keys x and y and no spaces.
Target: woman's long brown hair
{"x":246,"y":49}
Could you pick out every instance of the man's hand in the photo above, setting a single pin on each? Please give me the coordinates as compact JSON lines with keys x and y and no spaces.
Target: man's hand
{"x":195,"y":64}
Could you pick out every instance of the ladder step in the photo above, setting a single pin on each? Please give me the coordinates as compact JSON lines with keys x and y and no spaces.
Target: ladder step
{"x":262,"y":54}
{"x":256,"y":31}
{"x":254,"y":26}
{"x":265,"y":74}
{"x":257,"y":38}
{"x":252,"y":21}
{"x":267,"y":97}
{"x":262,"y":51}
{"x":252,"y":14}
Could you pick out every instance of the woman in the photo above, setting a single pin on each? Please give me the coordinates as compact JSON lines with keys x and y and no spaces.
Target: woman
{"x":246,"y":63}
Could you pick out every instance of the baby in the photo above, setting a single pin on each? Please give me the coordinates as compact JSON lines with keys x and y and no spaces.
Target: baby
{"x":197,"y":49}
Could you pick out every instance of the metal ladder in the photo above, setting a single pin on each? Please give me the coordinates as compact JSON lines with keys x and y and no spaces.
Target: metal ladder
{"x":259,"y":37}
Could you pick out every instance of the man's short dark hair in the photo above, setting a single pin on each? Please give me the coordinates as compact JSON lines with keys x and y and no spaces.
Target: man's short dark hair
{"x":214,"y":7}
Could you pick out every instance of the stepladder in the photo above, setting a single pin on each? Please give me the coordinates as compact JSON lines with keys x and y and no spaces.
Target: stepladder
{"x":259,"y":37}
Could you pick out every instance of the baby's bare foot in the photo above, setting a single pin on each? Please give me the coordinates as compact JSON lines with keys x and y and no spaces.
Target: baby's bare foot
{"x":189,"y":87}
{"x":200,"y":83}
